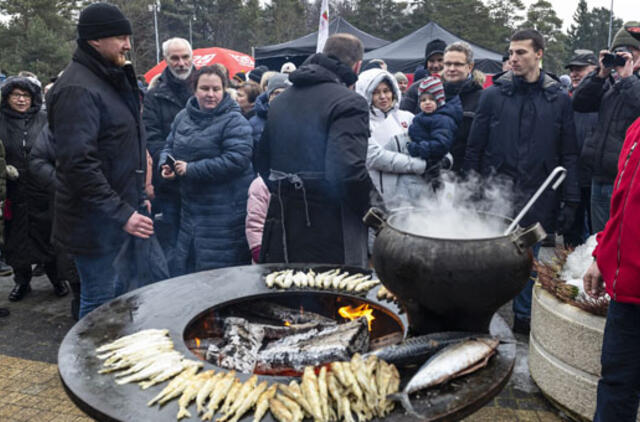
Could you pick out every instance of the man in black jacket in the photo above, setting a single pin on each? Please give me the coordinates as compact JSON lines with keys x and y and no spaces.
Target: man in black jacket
{"x":522,"y":130}
{"x":616,"y":98}
{"x":459,"y":79}
{"x":161,"y":104}
{"x":312,"y":155}
{"x":433,"y":64}
{"x":94,"y":115}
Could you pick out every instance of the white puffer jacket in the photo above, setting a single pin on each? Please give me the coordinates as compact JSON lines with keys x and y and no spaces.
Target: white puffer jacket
{"x":385,"y":161}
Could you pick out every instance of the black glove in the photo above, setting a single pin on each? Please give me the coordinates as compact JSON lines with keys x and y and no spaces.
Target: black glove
{"x":566,"y":217}
{"x":433,"y":170}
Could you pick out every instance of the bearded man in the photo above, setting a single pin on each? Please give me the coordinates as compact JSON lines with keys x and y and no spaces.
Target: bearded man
{"x":161,"y":104}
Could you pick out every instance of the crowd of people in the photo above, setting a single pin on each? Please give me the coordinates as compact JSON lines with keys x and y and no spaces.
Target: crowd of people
{"x":109,"y":186}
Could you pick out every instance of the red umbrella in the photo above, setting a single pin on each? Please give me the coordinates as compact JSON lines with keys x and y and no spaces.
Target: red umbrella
{"x":234,"y":61}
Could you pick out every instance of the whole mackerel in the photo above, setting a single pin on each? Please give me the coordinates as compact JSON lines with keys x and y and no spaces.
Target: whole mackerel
{"x":451,"y":362}
{"x":416,"y":350}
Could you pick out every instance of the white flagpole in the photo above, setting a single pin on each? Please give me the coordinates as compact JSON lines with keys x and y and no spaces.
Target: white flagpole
{"x":323,"y":27}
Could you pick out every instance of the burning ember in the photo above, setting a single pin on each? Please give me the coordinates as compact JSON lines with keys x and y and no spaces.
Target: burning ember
{"x":351,"y":313}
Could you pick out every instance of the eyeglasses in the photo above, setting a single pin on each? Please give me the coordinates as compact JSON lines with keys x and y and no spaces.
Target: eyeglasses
{"x":23,"y":96}
{"x":454,"y":64}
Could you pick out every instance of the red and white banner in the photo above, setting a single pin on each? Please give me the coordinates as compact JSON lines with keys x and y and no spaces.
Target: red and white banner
{"x":323,"y":27}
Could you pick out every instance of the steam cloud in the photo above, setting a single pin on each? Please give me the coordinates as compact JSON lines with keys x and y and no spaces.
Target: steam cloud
{"x":471,"y":208}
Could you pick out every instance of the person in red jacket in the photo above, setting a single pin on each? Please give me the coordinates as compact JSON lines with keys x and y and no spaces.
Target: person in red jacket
{"x":616,"y":268}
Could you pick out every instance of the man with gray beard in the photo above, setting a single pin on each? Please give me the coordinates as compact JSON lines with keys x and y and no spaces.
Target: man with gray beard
{"x":161,"y":104}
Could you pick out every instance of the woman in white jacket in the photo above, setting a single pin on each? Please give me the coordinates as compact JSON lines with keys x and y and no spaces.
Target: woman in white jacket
{"x":386,"y":162}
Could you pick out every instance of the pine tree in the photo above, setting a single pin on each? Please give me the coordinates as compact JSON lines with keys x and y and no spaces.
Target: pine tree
{"x":543,"y":18}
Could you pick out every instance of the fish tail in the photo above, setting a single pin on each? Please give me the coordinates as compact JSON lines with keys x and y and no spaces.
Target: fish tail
{"x":183,"y":413}
{"x":403,"y":398}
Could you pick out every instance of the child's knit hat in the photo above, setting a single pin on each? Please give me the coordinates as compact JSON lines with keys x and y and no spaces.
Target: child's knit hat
{"x":433,"y":86}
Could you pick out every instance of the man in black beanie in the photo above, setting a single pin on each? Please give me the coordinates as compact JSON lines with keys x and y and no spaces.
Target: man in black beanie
{"x":94,"y":115}
{"x":433,"y":64}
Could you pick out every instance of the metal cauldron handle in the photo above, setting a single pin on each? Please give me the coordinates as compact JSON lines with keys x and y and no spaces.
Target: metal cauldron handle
{"x":375,"y":218}
{"x":524,"y":239}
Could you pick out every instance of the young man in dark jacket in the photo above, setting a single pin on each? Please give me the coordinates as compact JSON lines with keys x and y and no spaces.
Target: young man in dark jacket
{"x":616,"y":98}
{"x":522,"y":130}
{"x":312,"y":155}
{"x":94,"y":115}
{"x":161,"y":104}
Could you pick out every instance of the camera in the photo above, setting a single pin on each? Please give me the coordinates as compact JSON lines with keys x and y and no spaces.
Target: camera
{"x":614,"y":60}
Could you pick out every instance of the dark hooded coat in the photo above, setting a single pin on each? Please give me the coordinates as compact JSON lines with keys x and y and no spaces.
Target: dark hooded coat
{"x":259,"y":119}
{"x":312,"y":156}
{"x":94,"y":115}
{"x":217,"y":146}
{"x":522,"y":132}
{"x":27,"y":232}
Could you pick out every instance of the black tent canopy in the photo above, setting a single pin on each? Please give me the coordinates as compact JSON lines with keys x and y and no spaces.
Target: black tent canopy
{"x":407,"y":53}
{"x":296,"y":51}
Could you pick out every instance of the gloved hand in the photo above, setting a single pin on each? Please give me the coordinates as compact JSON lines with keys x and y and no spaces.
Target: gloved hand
{"x":433,"y":170}
{"x":566,"y":217}
{"x":12,"y":173}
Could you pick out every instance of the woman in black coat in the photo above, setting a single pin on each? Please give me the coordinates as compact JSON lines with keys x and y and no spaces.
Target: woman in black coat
{"x":28,"y":222}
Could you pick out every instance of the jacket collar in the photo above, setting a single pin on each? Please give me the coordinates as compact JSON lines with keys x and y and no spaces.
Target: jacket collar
{"x":174,"y":89}
{"x":509,"y":84}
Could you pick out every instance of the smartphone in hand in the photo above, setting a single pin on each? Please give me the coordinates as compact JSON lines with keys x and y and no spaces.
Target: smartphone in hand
{"x":171,"y":162}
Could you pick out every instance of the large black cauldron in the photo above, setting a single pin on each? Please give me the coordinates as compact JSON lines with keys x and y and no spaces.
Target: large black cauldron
{"x":450,"y":284}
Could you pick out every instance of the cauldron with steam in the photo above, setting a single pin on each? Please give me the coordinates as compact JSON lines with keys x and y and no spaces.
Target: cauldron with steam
{"x":450,"y":283}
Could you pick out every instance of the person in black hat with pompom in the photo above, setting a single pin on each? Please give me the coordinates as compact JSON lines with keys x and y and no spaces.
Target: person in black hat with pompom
{"x":433,"y":65}
{"x":94,"y":116}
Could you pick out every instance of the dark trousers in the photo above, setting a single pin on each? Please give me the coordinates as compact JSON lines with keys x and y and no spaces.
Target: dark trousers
{"x":581,"y":228}
{"x":522,"y":303}
{"x":23,"y":274}
{"x":619,"y":385}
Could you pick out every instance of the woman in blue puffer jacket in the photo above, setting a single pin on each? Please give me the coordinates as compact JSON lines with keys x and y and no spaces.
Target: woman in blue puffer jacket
{"x":208,"y":152}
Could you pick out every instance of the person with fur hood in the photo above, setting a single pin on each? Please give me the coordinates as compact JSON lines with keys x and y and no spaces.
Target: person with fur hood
{"x":27,"y":224}
{"x":386,"y":162}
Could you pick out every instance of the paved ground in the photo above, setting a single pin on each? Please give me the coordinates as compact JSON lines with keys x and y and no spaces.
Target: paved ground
{"x":30,"y":389}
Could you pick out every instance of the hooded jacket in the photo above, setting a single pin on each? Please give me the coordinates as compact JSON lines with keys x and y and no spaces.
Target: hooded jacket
{"x":217,"y":146}
{"x":27,"y":232}
{"x":618,"y":105}
{"x":385,"y":161}
{"x":94,"y":115}
{"x":617,"y":251}
{"x":432,"y":134}
{"x":523,"y":131}
{"x":314,"y":147}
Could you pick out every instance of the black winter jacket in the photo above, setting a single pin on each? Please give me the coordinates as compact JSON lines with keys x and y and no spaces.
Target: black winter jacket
{"x":469,"y":92}
{"x":318,"y":130}
{"x":523,"y":131}
{"x":27,"y":232}
{"x":618,"y":106}
{"x":432,"y":134}
{"x":161,"y":105}
{"x":94,"y":115}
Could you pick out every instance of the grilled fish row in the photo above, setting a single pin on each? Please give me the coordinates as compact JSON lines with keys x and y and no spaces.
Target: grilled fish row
{"x":333,"y":279}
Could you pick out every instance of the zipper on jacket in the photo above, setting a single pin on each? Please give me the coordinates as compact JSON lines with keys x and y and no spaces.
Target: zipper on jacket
{"x":624,"y":207}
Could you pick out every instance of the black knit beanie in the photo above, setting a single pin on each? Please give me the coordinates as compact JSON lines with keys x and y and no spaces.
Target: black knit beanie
{"x":102,"y":20}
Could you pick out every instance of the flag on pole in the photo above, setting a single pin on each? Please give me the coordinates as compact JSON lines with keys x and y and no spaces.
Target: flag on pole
{"x":323,"y":27}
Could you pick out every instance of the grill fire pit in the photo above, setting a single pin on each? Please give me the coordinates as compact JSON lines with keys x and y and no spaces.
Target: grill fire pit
{"x":192,"y":308}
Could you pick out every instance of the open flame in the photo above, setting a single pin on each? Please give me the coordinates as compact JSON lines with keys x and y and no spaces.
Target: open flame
{"x":197,"y":341}
{"x":351,"y":313}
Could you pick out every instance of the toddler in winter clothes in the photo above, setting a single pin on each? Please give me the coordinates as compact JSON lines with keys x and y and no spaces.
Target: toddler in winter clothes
{"x":433,"y":129}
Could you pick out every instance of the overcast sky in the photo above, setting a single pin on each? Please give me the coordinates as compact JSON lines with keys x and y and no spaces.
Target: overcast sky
{"x":627,"y":10}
